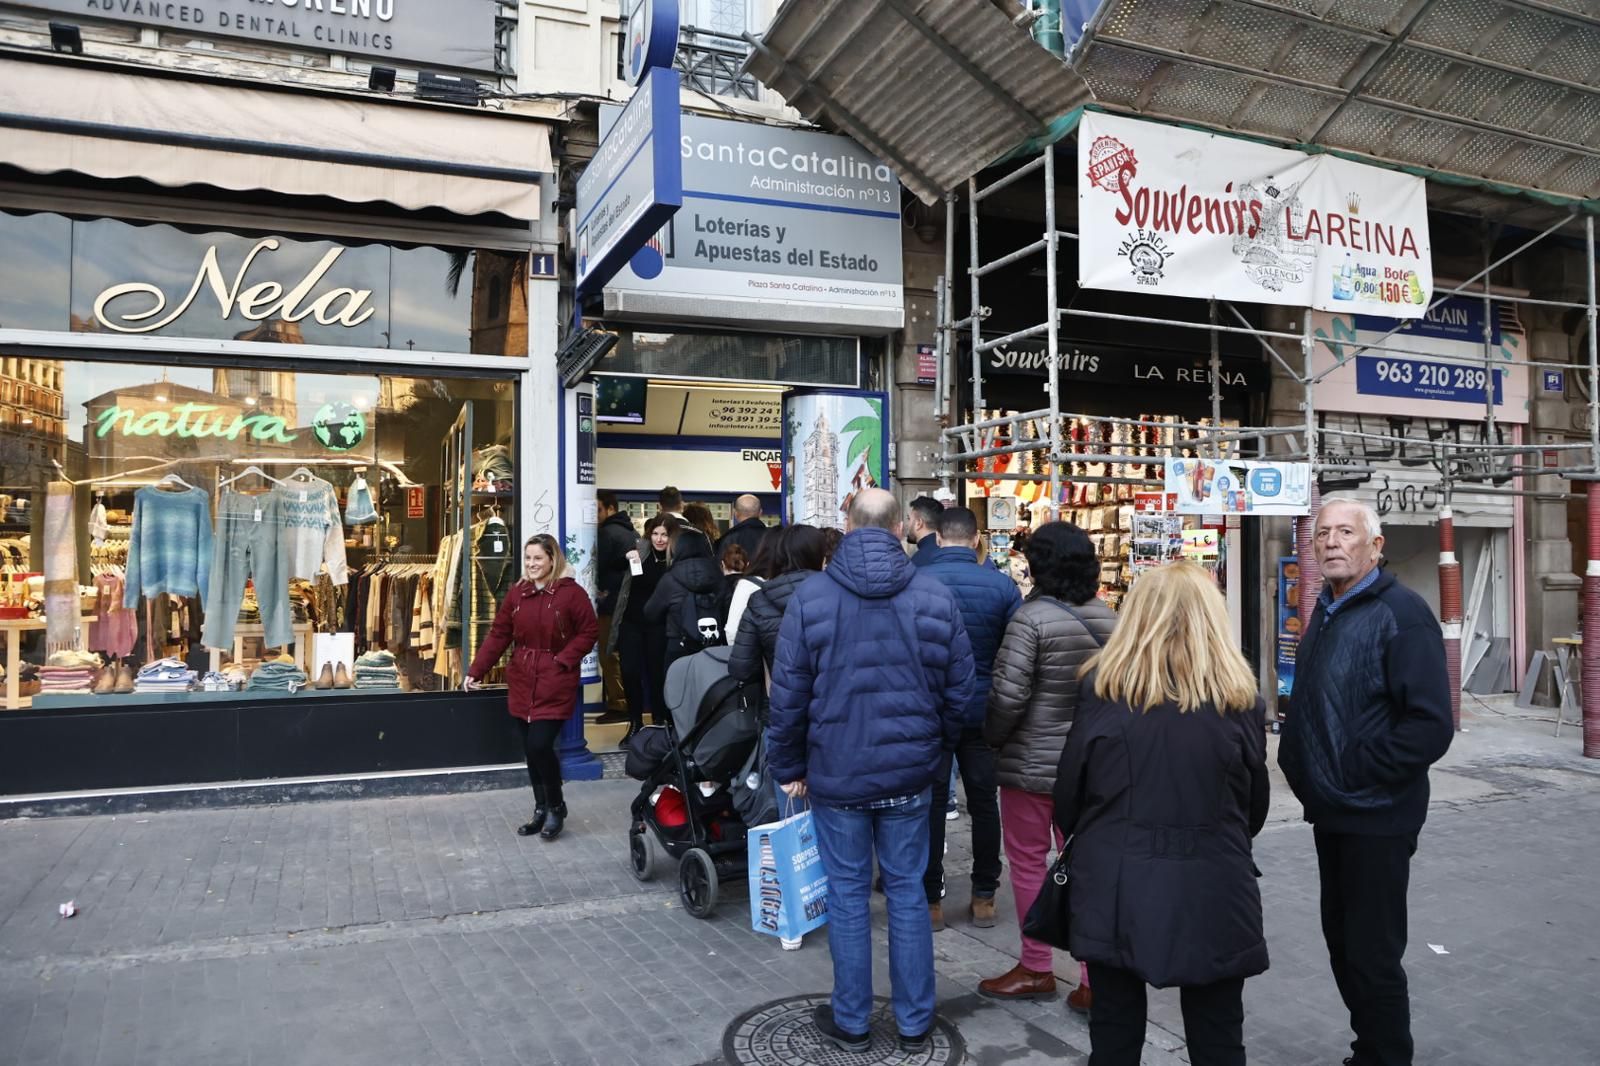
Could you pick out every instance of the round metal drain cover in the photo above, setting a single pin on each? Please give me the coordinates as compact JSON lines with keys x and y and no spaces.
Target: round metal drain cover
{"x":781,"y":1033}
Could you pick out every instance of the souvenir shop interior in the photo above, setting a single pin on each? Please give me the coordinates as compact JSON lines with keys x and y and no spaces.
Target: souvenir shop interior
{"x":238,"y":532}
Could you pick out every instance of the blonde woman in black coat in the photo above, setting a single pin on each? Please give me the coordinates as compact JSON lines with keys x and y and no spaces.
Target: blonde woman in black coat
{"x":1161,"y":788}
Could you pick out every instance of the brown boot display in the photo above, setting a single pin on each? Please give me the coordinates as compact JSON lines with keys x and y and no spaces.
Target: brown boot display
{"x":325,"y":678}
{"x":106,"y":683}
{"x":1019,"y":983}
{"x":983,"y":912}
{"x":342,"y":678}
{"x":124,"y":680}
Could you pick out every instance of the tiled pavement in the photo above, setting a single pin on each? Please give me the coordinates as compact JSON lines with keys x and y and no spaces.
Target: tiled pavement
{"x":422,"y":930}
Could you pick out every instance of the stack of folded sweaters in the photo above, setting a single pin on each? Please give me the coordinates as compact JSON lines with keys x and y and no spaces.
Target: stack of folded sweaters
{"x":164,"y":675}
{"x":69,"y":671}
{"x":275,"y":675}
{"x":376,"y":669}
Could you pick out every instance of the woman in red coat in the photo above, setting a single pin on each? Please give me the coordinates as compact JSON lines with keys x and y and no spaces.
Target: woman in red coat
{"x":548,"y":622}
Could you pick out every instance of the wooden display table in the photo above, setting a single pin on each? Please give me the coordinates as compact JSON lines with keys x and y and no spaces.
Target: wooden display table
{"x":13,"y":628}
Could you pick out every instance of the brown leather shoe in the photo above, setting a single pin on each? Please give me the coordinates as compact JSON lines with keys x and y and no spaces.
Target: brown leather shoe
{"x":124,"y":683}
{"x":324,"y":679}
{"x":1080,"y":999}
{"x":107,"y":680}
{"x":1019,"y":983}
{"x":983,"y":912}
{"x":936,"y":915}
{"x":341,"y":677}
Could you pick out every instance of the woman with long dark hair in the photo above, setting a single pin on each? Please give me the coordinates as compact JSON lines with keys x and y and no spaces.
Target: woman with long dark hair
{"x":1161,"y":787}
{"x":755,"y":575}
{"x":797,"y":555}
{"x":641,"y":657}
{"x":1032,"y":700}
{"x":693,"y":575}
{"x":548,"y":622}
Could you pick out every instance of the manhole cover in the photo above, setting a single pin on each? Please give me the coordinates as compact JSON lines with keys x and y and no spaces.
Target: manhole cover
{"x":781,"y":1033}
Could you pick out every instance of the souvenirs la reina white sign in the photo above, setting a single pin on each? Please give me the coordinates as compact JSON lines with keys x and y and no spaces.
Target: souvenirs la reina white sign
{"x":1182,"y":213}
{"x":254,"y":302}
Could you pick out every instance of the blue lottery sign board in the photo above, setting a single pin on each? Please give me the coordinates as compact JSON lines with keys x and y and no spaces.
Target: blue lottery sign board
{"x":634,"y":183}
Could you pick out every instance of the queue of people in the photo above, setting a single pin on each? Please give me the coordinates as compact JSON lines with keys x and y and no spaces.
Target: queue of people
{"x":1133,"y":745}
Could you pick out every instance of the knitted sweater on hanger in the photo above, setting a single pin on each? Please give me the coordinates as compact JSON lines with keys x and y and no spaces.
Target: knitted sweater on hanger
{"x":313,"y":533}
{"x":169,"y":547}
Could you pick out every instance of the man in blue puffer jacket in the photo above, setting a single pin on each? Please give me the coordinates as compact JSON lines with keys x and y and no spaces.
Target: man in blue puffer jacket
{"x":870,"y":689}
{"x":1369,"y":715}
{"x":987,"y":600}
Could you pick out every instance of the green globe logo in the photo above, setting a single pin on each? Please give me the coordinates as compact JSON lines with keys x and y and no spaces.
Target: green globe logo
{"x":339,"y":426}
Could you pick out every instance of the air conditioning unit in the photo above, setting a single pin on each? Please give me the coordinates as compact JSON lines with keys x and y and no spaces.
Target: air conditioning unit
{"x":581,"y":351}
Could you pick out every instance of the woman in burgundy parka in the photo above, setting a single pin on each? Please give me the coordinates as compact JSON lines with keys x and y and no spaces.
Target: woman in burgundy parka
{"x":548,"y":622}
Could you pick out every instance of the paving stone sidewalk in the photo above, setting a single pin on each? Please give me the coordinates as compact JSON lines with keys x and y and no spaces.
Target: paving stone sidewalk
{"x":423,"y":930}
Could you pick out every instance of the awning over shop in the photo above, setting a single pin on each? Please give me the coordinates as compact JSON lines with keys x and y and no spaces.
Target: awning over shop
{"x":1503,"y":91}
{"x":937,"y":88}
{"x":65,"y":117}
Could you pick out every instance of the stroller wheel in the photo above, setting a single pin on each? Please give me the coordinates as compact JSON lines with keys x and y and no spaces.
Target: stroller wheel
{"x":697,"y":883}
{"x":642,"y":854}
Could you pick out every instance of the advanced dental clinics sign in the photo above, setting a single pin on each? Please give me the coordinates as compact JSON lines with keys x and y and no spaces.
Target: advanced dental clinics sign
{"x":1183,"y":213}
{"x":458,"y":34}
{"x":777,"y":226}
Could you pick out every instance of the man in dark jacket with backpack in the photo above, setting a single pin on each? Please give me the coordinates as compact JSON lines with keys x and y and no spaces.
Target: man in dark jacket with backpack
{"x":1369,"y":715}
{"x":870,"y":689}
{"x":987,"y":599}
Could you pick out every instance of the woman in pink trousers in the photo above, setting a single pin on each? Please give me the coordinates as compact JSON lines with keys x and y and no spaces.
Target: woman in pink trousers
{"x":1031,"y":704}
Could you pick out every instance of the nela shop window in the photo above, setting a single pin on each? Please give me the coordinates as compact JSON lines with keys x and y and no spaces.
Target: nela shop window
{"x":183,"y":532}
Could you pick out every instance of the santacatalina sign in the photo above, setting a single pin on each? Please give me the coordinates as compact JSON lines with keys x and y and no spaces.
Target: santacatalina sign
{"x":777,"y":225}
{"x":1183,"y":213}
{"x":457,"y":34}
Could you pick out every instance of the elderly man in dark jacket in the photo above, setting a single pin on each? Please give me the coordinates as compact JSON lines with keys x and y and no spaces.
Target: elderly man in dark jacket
{"x":870,"y":688}
{"x":1369,"y":715}
{"x":987,"y":599}
{"x":747,"y":529}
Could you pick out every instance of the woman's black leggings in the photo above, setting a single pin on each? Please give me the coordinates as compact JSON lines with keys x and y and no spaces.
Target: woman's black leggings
{"x":544,"y":765}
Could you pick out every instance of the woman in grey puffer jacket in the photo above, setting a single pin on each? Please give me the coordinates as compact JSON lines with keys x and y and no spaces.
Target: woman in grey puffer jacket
{"x":1031,"y":702}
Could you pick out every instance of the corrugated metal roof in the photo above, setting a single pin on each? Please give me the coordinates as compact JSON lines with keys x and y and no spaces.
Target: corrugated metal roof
{"x":1505,"y":91}
{"x":937,"y":88}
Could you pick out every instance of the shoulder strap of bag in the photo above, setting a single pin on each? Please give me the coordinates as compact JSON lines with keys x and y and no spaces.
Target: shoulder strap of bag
{"x":1079,"y":619}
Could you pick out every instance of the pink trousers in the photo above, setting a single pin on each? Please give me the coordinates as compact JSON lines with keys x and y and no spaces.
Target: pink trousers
{"x":1027,"y":822}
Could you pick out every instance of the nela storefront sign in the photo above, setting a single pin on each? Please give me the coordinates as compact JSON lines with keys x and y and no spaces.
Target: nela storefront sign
{"x":256,"y":302}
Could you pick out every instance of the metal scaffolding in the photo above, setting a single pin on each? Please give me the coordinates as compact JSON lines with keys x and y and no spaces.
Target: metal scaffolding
{"x":1040,"y":433}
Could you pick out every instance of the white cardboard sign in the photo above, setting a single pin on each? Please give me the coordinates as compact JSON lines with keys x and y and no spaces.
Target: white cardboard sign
{"x":1178,"y":212}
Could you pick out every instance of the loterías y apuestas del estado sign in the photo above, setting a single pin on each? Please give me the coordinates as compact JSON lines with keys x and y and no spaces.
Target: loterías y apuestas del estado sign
{"x":142,"y":306}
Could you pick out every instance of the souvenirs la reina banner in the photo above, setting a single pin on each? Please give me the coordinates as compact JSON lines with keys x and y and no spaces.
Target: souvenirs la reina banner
{"x":1183,"y":213}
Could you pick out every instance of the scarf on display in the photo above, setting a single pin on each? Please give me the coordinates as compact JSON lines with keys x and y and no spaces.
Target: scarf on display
{"x":60,"y":569}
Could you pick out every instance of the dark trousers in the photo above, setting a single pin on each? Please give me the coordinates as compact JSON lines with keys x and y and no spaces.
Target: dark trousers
{"x":544,"y":765}
{"x":635,"y":670}
{"x":976,"y":761}
{"x":1364,"y":882}
{"x":1213,"y":1019}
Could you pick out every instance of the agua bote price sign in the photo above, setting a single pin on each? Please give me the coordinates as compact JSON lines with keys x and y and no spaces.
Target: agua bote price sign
{"x":1238,"y":486}
{"x":1183,"y":213}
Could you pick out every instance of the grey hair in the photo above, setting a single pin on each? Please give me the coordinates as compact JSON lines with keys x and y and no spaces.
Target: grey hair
{"x":1369,"y":515}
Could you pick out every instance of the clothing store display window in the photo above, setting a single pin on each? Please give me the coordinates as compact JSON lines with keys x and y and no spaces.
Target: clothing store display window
{"x":237,"y":532}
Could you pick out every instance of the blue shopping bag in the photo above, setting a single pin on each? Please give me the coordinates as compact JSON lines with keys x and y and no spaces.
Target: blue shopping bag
{"x":788,"y":889}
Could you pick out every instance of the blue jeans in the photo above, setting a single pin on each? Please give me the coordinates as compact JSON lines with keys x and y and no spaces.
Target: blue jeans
{"x":848,"y":841}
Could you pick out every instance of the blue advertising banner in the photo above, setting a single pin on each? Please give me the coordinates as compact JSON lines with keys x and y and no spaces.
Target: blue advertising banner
{"x":634,"y":183}
{"x":1288,"y":621}
{"x":1460,"y":318}
{"x":1424,"y":379}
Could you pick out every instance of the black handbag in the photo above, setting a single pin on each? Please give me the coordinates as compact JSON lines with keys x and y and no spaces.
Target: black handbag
{"x":1049,"y":919}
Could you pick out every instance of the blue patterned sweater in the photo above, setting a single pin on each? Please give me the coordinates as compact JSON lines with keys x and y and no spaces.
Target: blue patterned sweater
{"x":169,"y":548}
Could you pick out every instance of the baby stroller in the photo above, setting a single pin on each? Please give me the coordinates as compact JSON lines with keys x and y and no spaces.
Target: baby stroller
{"x":689,"y":768}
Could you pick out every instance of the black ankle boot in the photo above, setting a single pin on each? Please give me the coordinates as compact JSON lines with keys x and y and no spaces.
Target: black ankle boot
{"x":541,"y":812}
{"x":556,"y":818}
